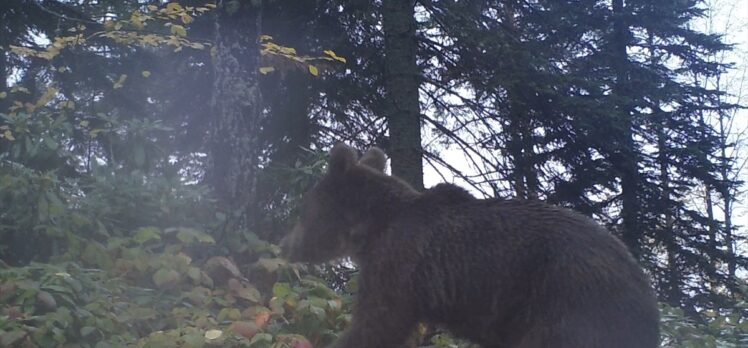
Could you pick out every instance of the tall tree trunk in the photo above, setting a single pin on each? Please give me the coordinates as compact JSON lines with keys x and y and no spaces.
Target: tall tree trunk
{"x":673,"y":281}
{"x":673,"y":275}
{"x":4,"y":102}
{"x":625,"y":161}
{"x":524,"y":175}
{"x":713,"y":231}
{"x":520,"y":143}
{"x":236,"y":104}
{"x":402,"y":80}
{"x":713,"y":248}
{"x":726,"y":194}
{"x":531,"y":172}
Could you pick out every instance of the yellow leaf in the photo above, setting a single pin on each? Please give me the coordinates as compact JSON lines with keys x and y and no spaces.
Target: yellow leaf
{"x":19,"y":89}
{"x":313,"y":70}
{"x":50,"y":53}
{"x":288,"y":50}
{"x":3,"y":95}
{"x":83,"y":123}
{"x":152,"y":7}
{"x":266,"y":69}
{"x":178,"y":30}
{"x":146,"y":73}
{"x":8,"y":135}
{"x":186,"y":19}
{"x":265,"y":37}
{"x":213,"y":334}
{"x":137,"y":19}
{"x":150,"y":39}
{"x":120,"y":82}
{"x":174,"y":7}
{"x":109,"y":25}
{"x":94,"y":132}
{"x":334,"y":56}
{"x":46,"y":97}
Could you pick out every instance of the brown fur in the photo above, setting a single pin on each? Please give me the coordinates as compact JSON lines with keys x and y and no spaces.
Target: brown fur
{"x":502,"y":273}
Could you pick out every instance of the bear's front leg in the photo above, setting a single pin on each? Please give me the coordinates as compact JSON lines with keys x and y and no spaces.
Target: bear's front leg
{"x":377,"y":324}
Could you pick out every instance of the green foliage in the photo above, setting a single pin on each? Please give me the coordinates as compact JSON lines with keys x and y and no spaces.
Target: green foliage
{"x":145,"y":291}
{"x":98,"y":165}
{"x":718,"y":330}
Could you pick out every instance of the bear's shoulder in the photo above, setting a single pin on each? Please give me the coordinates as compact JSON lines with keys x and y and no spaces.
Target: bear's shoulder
{"x":447,"y":194}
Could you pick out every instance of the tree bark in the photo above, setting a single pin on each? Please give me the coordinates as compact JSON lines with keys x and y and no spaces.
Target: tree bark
{"x":727,"y":197}
{"x":236,"y":105}
{"x":520,"y":138}
{"x":402,"y":80}
{"x":625,"y":160}
{"x":673,"y":293}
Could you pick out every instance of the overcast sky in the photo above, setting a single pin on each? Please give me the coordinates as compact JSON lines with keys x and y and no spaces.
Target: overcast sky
{"x":730,"y":17}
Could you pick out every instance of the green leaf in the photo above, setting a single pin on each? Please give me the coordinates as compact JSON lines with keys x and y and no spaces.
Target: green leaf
{"x":271,"y":265}
{"x":318,"y":312}
{"x":58,"y":289}
{"x":194,"y":274}
{"x":141,"y":313}
{"x":190,"y":235}
{"x":166,"y":278}
{"x":281,"y":289}
{"x":139,"y":155}
{"x":87,"y":330}
{"x":261,"y":338}
{"x":146,"y":234}
{"x":8,"y":339}
{"x":230,"y":314}
{"x":95,"y":254}
{"x":185,"y":236}
{"x":249,"y":293}
{"x":193,"y":340}
{"x":50,"y":143}
{"x":43,"y":209}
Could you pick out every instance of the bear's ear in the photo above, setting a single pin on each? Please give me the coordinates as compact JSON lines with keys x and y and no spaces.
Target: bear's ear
{"x":374,"y":158}
{"x":342,"y":157}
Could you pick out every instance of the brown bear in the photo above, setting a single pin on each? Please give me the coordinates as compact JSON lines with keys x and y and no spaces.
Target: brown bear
{"x":501,"y":273}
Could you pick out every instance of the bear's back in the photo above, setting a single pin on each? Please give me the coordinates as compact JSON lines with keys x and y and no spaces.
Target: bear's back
{"x":533,"y":266}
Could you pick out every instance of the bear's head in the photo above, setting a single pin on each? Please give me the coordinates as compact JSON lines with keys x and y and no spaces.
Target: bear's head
{"x":331,"y":212}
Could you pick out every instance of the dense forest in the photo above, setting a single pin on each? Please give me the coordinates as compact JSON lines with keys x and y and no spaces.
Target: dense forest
{"x":152,"y":153}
